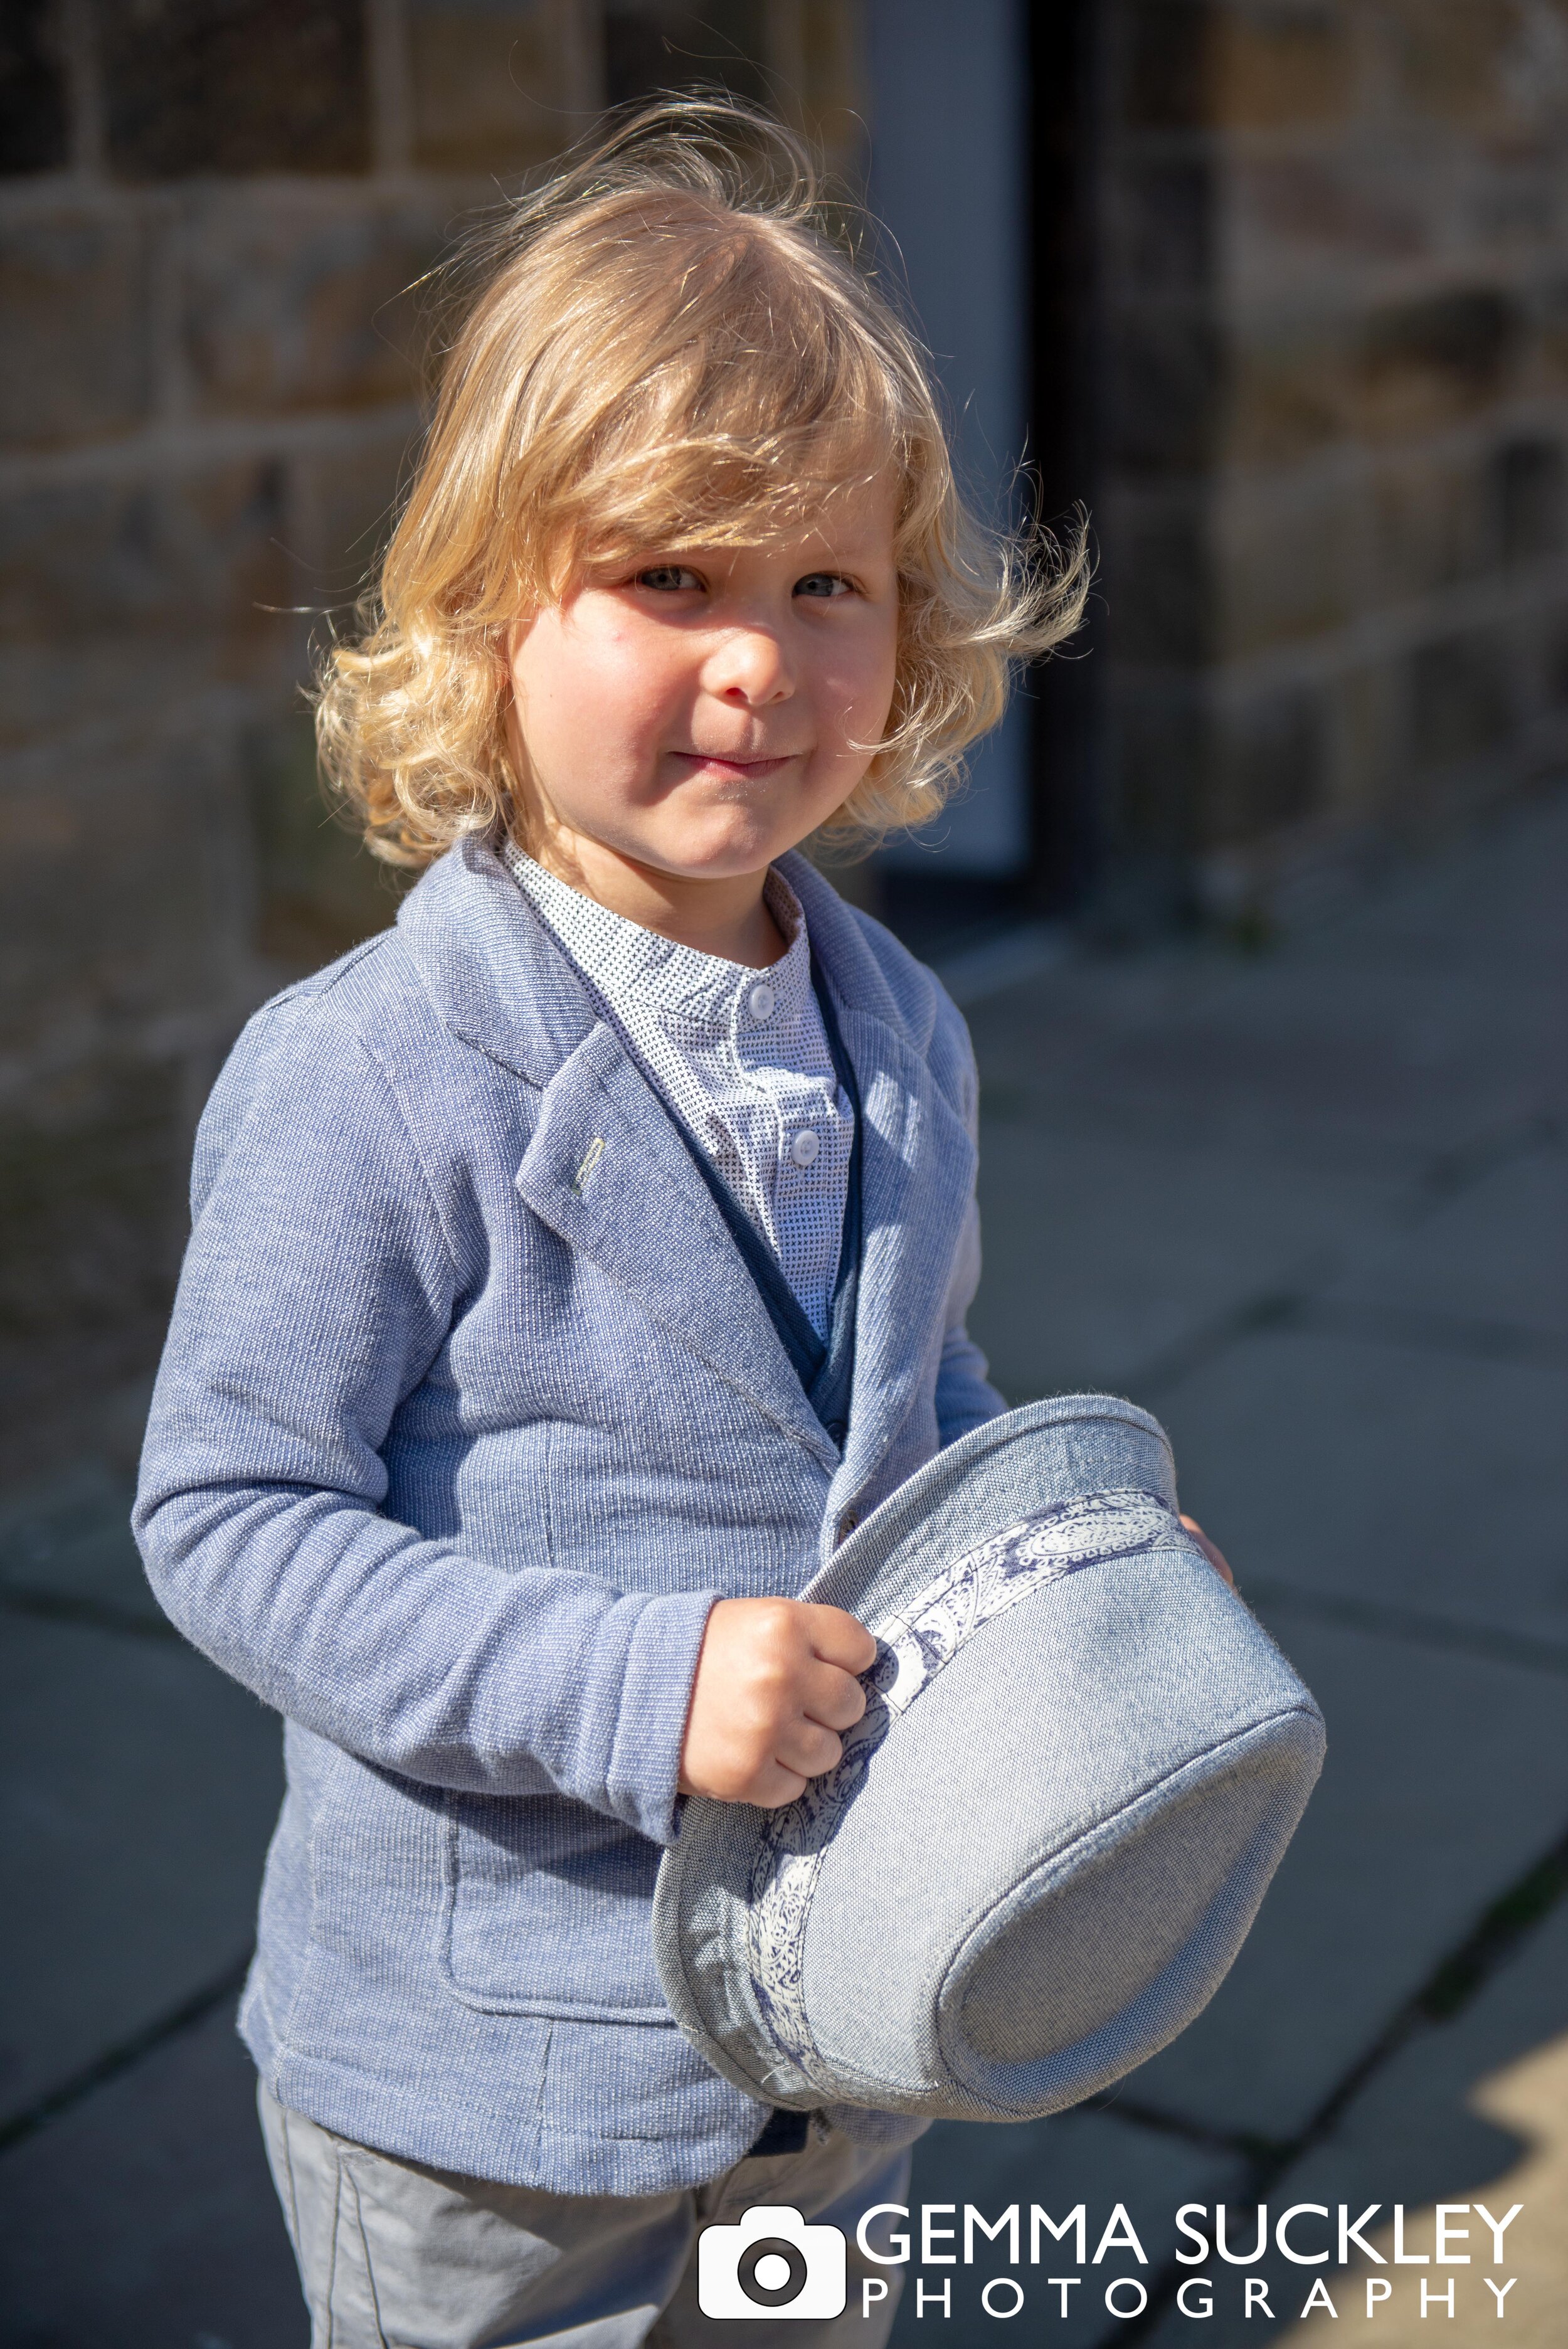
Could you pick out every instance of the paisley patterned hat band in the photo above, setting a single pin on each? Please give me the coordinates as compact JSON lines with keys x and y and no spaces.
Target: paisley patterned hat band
{"x":1080,"y":1762}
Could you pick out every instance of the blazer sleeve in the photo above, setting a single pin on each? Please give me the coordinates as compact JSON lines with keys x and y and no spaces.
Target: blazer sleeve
{"x":317,"y":1290}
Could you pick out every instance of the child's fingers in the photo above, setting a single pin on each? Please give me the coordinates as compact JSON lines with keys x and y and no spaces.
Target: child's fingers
{"x":838,"y":1638}
{"x":806,"y":1746}
{"x":774,"y":1786}
{"x":832,"y":1697}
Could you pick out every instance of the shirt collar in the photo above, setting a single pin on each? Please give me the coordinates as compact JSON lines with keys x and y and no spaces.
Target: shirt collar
{"x":682,"y":986}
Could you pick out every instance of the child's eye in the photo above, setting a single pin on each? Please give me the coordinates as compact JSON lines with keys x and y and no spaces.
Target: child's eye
{"x":826,"y":583}
{"x":667,"y":579}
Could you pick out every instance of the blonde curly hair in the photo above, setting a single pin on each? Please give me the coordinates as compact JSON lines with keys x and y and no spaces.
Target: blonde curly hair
{"x":665,"y":347}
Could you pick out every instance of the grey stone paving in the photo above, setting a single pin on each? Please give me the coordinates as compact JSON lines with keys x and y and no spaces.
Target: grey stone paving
{"x":1309,"y":1208}
{"x":1433,"y":2125}
{"x":1313,"y":1210}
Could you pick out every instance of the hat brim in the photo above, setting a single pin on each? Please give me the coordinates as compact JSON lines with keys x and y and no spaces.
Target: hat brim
{"x":1224,"y":1788}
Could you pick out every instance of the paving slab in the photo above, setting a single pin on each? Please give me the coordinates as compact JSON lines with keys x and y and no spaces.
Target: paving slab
{"x":1428,"y":1480}
{"x":146,"y":2216}
{"x":1446,"y":1778}
{"x":1090,"y":2157}
{"x":1493,"y":902}
{"x":1494,"y":1258}
{"x":1338,"y":1065}
{"x":1104,"y":1257}
{"x":67,"y":1542}
{"x":138,"y":1789}
{"x":1473,"y":2110}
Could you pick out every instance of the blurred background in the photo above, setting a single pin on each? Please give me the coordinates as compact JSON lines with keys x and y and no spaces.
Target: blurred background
{"x":1256,"y":907}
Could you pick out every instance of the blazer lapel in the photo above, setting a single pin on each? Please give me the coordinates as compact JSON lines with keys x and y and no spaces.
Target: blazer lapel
{"x":604,"y":1168}
{"x":918,"y":1168}
{"x":918,"y":1163}
{"x":607,"y":1171}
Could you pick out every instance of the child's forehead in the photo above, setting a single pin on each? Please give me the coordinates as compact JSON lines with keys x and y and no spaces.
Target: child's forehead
{"x":858,"y":510}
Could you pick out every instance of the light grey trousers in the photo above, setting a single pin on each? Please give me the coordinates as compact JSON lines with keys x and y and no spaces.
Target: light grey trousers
{"x":392,"y":2255}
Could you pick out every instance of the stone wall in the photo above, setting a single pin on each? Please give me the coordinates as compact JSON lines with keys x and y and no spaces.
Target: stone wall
{"x":1333,"y":406}
{"x":210,"y":379}
{"x":1323,"y":350}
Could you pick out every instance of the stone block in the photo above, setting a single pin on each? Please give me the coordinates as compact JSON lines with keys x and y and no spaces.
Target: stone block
{"x":1546,"y":367}
{"x":492,"y":82}
{"x":1103,"y":1261}
{"x":1446,"y":1485}
{"x":1290,"y":560}
{"x":653,"y":45}
{"x":93,"y":1219}
{"x":1446,"y":1779}
{"x":1084,"y":2156}
{"x":34,"y":105}
{"x":1423,"y":364}
{"x":234,"y":87}
{"x":1157,"y":742}
{"x":1366,"y":723}
{"x":75,"y":360}
{"x":822,"y":59}
{"x":318,"y":891}
{"x":1530,"y":496}
{"x":1164,"y":64}
{"x":1461,"y":697}
{"x":138,"y":1789}
{"x":295,"y":300}
{"x":1287,"y":391}
{"x":1472,"y":65}
{"x":1432,"y":521}
{"x":1165,"y":369}
{"x":1160,"y":226}
{"x":1315,"y":213}
{"x":1158,"y":579}
{"x":1278,"y":66}
{"x":126,"y":909}
{"x":188,"y":2240}
{"x":1270,"y":767}
{"x":118,"y":598}
{"x":1515,"y":193}
{"x":341,"y":507}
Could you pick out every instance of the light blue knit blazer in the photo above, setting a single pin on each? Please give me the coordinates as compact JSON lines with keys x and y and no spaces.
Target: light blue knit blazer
{"x":468,"y":1412}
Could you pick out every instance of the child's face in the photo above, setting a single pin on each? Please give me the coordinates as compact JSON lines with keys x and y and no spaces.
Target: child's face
{"x":702,"y":712}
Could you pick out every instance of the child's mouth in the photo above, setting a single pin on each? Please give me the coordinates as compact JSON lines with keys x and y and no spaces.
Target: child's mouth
{"x":720,"y":766}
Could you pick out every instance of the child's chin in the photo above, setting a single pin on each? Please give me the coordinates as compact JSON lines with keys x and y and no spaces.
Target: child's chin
{"x":723,"y":851}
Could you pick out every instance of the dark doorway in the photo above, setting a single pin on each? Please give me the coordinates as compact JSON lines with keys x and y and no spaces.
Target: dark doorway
{"x":1065,"y":694}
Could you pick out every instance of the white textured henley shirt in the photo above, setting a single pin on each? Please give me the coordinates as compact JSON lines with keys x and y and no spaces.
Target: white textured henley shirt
{"x":743,"y":1057}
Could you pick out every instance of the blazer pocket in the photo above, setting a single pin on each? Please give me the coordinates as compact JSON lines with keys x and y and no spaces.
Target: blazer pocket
{"x":549,"y":1911}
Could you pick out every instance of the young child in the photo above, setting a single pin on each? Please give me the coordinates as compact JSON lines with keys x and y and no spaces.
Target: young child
{"x":576,"y":1262}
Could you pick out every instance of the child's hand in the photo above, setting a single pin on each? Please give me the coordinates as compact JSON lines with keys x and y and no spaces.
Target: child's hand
{"x":775,"y":1684}
{"x":1215,"y":1556}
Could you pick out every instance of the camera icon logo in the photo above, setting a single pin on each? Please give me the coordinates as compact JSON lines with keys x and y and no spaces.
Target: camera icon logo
{"x":771,"y":2264}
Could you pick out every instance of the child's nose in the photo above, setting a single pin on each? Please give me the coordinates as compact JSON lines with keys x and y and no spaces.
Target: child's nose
{"x":750,"y":666}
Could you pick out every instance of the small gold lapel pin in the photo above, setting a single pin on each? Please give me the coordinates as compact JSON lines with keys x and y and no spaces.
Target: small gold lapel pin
{"x":591,"y":1157}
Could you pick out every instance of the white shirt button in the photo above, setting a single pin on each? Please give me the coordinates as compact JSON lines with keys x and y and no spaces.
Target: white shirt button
{"x":804,"y":1148}
{"x":761,"y":1002}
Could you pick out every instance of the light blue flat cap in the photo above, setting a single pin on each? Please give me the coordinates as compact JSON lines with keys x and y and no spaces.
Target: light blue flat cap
{"x":1080,"y":1765}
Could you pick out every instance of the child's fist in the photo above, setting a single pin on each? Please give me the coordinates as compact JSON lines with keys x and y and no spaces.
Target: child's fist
{"x":775,"y":1684}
